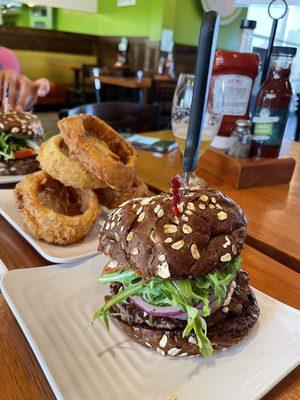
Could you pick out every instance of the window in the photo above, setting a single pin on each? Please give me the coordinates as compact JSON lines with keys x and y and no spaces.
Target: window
{"x":288,"y":34}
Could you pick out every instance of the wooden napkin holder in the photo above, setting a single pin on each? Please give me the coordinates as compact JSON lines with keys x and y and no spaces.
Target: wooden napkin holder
{"x":242,"y":173}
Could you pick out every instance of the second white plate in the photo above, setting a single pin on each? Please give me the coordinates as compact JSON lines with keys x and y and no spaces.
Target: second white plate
{"x":51,"y":252}
{"x":5,"y":179}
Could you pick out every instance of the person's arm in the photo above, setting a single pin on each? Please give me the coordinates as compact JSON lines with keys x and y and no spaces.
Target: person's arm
{"x":23,"y":93}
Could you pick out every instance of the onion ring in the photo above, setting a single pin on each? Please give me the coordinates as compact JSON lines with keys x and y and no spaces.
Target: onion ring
{"x":100,"y":149}
{"x":56,"y":161}
{"x":53,"y":212}
{"x":111,"y":198}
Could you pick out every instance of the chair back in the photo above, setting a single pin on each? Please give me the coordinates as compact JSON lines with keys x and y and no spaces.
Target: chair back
{"x":124,"y":117}
{"x":162,"y":93}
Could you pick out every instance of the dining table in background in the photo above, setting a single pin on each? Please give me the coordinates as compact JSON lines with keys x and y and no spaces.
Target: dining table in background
{"x":147,"y":87}
{"x":273,"y":212}
{"x":128,"y":82}
{"x":125,"y":82}
{"x":141,"y":86}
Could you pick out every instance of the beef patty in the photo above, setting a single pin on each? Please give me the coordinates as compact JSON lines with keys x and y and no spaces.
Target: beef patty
{"x":131,"y":314}
{"x":21,"y":166}
{"x":224,"y":329}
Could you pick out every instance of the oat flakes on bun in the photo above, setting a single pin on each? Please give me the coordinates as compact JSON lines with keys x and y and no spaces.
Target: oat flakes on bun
{"x":176,"y":282}
{"x":20,"y":136}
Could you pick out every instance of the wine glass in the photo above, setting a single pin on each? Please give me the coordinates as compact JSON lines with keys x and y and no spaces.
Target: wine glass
{"x":181,"y":108}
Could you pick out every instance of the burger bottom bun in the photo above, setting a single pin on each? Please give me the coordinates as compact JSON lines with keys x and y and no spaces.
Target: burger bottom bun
{"x":170,"y":342}
{"x":21,"y":166}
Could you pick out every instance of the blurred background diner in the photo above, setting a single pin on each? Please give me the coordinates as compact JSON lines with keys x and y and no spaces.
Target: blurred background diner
{"x":131,"y":51}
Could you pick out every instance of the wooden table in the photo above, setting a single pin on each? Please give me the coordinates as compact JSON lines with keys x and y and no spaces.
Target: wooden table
{"x":129,"y":82}
{"x":126,"y":82}
{"x":273,"y":211}
{"x":133,"y":83}
{"x":20,"y":374}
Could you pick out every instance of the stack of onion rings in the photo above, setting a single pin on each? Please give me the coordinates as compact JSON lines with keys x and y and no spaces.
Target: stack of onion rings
{"x":53,"y":212}
{"x":59,"y":204}
{"x":100,"y":149}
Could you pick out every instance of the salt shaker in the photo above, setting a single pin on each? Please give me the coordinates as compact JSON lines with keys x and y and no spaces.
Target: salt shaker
{"x":240,"y":139}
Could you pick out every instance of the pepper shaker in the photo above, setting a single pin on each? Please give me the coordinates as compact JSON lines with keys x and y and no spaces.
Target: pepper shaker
{"x":240,"y":139}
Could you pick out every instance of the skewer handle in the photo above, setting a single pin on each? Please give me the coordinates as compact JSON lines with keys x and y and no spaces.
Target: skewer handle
{"x":204,"y":62}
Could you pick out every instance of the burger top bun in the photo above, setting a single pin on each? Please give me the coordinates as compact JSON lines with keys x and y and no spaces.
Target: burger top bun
{"x":144,"y":235}
{"x":20,"y":122}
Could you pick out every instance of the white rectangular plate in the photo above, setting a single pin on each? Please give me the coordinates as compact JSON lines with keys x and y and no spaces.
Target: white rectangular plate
{"x":84,"y":362}
{"x":4,"y":179}
{"x":51,"y":252}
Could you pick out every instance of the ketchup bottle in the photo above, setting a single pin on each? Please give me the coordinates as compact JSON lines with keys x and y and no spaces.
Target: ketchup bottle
{"x":235,"y":72}
{"x":272,"y":105}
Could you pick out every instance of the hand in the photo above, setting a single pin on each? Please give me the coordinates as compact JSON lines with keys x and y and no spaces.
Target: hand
{"x":29,"y":91}
{"x":23,"y":93}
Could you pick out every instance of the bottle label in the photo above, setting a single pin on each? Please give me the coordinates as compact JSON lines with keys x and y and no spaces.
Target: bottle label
{"x":237,"y":91}
{"x":268,"y":125}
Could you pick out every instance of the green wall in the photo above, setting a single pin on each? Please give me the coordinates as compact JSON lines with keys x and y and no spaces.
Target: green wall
{"x":229,"y":34}
{"x":112,"y":20}
{"x":187,"y":21}
{"x":143,"y":19}
{"x":146,"y":18}
{"x":187,"y":25}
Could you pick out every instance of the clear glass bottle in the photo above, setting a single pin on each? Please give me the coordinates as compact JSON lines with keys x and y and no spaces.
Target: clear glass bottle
{"x":181,"y":109}
{"x":240,"y":139}
{"x":246,"y":36}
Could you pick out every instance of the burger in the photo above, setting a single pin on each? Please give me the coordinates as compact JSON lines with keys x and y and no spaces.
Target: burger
{"x":176,"y":279}
{"x":20,"y":136}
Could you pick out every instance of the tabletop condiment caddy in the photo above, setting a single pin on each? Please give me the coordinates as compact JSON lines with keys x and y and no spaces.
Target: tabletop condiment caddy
{"x":235,"y":72}
{"x":271,"y":111}
{"x":246,"y":150}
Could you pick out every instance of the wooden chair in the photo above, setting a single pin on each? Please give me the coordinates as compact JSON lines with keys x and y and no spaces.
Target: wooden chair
{"x":124,"y":117}
{"x":86,"y":86}
{"x":162,"y":92}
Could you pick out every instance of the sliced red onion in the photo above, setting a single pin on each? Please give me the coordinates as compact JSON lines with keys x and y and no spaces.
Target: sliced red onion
{"x":155,"y":310}
{"x":212,"y":304}
{"x":173,"y":312}
{"x":168,"y":312}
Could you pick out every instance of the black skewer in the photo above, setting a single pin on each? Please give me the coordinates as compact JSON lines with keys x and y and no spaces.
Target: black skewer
{"x":204,"y":62}
{"x":266,"y":65}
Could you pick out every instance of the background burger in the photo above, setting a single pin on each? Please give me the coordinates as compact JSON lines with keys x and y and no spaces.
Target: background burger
{"x":176,"y":283}
{"x":20,"y":136}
